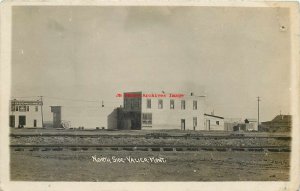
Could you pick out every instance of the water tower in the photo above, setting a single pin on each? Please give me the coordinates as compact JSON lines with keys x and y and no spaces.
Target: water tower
{"x":56,"y":110}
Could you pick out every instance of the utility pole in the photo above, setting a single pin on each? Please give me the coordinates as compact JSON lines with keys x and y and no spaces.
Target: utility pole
{"x":41,"y":97}
{"x":258,"y":100}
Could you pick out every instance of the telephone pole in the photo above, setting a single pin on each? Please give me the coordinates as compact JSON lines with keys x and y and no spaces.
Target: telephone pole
{"x":258,"y":100}
{"x":41,"y":97}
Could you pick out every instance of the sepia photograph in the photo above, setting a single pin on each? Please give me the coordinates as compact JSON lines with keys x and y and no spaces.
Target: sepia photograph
{"x":151,"y":93}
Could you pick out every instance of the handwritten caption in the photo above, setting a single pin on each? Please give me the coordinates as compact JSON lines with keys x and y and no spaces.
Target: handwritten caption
{"x":128,"y":159}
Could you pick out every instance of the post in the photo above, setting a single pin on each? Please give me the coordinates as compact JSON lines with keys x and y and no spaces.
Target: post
{"x":258,"y":100}
{"x":42,"y":111}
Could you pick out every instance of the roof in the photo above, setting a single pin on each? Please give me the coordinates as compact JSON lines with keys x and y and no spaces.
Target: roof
{"x":251,"y":119}
{"x":280,"y":119}
{"x":213,"y":116}
{"x":26,"y":102}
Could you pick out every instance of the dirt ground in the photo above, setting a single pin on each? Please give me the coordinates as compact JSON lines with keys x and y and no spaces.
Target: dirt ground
{"x":52,"y":131}
{"x":175,"y":166}
{"x":60,"y":140}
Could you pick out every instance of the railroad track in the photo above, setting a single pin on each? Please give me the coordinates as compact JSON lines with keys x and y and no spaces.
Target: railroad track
{"x":159,"y":148}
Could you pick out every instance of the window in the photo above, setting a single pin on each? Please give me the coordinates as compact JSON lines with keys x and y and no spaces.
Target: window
{"x":13,"y":108}
{"x":182,"y":104}
{"x":27,"y":108}
{"x":160,"y":104}
{"x":17,"y":108}
{"x":194,"y":105}
{"x":22,"y":108}
{"x":217,"y":122}
{"x":36,"y":108}
{"x":135,"y":103}
{"x":149,"y":103}
{"x":172,"y":104}
{"x":147,"y":118}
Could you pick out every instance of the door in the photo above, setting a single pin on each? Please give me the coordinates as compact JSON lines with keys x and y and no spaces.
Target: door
{"x":12,"y":121}
{"x":182,"y":124}
{"x":194,"y":123}
{"x":34,"y":123}
{"x":22,"y":120}
{"x":208,"y":125}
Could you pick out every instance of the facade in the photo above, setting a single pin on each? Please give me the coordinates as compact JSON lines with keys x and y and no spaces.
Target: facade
{"x":213,"y":122}
{"x":56,"y":110}
{"x":112,"y":119}
{"x":251,"y":124}
{"x":230,"y":123}
{"x":247,"y":125}
{"x":143,"y":110}
{"x":25,"y":114}
{"x":119,"y":119}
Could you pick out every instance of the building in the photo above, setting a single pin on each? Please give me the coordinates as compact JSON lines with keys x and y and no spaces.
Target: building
{"x":56,"y":110}
{"x":114,"y":119}
{"x":230,"y":123}
{"x":27,"y":114}
{"x":143,"y":110}
{"x":251,"y":124}
{"x":213,"y":122}
{"x":247,"y":125}
{"x":280,"y":123}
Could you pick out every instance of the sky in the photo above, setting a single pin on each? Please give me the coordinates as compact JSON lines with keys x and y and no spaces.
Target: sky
{"x":79,"y":56}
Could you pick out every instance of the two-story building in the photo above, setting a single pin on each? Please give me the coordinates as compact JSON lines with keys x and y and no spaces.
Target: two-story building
{"x":25,"y":113}
{"x":146,"y":110}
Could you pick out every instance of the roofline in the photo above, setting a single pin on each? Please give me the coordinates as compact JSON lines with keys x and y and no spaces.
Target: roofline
{"x":26,"y":101}
{"x":214,"y":116}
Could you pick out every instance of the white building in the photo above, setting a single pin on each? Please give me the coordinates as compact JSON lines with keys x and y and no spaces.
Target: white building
{"x":25,"y":114}
{"x":144,"y":110}
{"x":251,"y":124}
{"x":214,"y":123}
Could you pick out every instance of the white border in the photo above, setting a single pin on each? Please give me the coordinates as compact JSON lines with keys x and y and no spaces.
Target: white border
{"x":5,"y":54}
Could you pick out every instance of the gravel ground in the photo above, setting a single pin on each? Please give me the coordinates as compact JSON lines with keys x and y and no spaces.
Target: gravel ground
{"x":135,"y":132}
{"x":178,"y":166}
{"x":144,"y":141}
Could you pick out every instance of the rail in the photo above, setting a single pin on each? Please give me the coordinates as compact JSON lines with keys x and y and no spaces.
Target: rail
{"x":174,"y":148}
